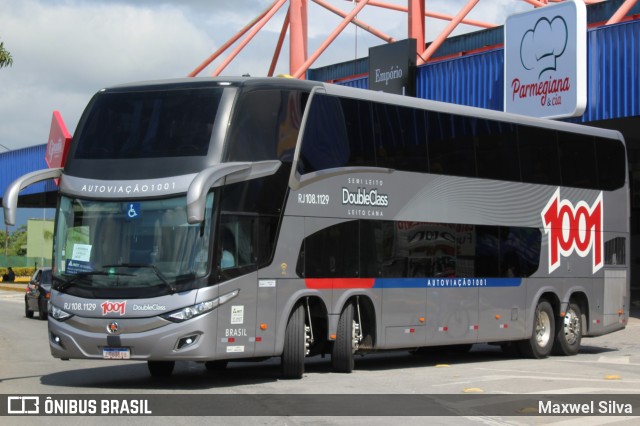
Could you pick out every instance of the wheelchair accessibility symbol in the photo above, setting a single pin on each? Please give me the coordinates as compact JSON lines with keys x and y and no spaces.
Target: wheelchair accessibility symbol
{"x":133,"y":211}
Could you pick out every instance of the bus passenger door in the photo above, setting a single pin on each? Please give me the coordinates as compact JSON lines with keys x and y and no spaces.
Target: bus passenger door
{"x":237,"y":318}
{"x":237,"y":271}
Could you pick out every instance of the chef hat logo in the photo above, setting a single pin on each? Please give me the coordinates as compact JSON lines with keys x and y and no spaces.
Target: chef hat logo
{"x":542,"y":45}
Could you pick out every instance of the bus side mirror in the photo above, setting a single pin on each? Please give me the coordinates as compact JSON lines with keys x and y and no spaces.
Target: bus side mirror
{"x":10,"y":199}
{"x":213,"y":176}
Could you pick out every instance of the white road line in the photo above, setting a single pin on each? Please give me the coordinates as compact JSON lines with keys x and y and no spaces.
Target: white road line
{"x":491,"y":421}
{"x":593,"y":420}
{"x":17,"y":297}
{"x":537,"y":378}
{"x":583,"y":390}
{"x":604,"y":360}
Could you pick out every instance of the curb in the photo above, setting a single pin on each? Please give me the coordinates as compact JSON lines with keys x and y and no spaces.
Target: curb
{"x":20,"y":287}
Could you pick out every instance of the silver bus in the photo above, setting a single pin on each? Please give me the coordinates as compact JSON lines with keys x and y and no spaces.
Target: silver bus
{"x":224,"y":219}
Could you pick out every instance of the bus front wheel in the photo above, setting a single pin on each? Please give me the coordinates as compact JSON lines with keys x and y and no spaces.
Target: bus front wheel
{"x":541,"y":341}
{"x":294,"y":345}
{"x":346,"y":343}
{"x":569,"y":332}
{"x":161,"y":368}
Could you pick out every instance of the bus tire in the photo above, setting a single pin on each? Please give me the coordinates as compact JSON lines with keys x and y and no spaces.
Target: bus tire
{"x":161,"y":368}
{"x":540,"y":343}
{"x":343,"y":347}
{"x":568,"y":332}
{"x":292,"y":362}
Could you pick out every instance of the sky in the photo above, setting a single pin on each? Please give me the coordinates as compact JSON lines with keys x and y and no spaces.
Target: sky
{"x":64,"y":51}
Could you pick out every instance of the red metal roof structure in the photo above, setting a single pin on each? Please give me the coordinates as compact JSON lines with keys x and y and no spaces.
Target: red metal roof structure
{"x":296,"y":24}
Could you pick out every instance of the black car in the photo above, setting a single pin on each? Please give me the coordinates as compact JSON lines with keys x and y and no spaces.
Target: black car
{"x":38,"y":293}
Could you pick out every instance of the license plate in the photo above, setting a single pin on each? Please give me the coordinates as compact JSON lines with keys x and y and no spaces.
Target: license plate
{"x":116,"y":353}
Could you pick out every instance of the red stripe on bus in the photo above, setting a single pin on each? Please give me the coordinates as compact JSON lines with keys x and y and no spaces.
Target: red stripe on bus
{"x":338,"y":283}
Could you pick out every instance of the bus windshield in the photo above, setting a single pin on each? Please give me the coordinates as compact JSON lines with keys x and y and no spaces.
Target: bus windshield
{"x":129,"y":244}
{"x":148,"y":124}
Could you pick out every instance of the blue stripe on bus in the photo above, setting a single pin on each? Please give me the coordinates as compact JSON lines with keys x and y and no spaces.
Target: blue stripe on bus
{"x":446,"y":282}
{"x":400,"y":283}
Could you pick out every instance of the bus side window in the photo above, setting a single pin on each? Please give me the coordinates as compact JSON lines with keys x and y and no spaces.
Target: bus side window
{"x":496,"y":149}
{"x":577,"y":160}
{"x":325,"y":144}
{"x":228,"y":259}
{"x":609,"y":154}
{"x":255,"y":126}
{"x":400,"y":138}
{"x":538,"y":155}
{"x":332,"y":252}
{"x":359,"y":124}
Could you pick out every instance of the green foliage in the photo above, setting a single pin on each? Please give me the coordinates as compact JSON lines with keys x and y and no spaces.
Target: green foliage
{"x":20,"y":272}
{"x":5,"y":57}
{"x":17,"y":242}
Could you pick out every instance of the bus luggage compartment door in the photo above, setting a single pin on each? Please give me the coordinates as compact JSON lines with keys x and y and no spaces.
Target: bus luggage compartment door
{"x":615,"y":295}
{"x":452,"y":315}
{"x":403,"y":312}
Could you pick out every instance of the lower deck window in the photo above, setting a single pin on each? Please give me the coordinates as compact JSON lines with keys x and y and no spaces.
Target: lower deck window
{"x":386,"y":249}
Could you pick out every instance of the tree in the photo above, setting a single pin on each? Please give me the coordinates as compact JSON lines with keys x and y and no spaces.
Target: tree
{"x":18,"y":241}
{"x":5,"y":57}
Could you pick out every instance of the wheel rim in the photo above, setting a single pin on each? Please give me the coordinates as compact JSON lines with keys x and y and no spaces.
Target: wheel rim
{"x":543,"y":329}
{"x":355,"y":332}
{"x":571,"y":327}
{"x":308,"y":341}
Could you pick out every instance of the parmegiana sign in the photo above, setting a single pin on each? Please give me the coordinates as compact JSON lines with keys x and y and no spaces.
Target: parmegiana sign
{"x":545,"y":61}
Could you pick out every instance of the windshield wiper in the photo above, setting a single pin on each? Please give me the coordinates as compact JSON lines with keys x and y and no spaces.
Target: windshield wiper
{"x":172,"y":288}
{"x":71,"y":281}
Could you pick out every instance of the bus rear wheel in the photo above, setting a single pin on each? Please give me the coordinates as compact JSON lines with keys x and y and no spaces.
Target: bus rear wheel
{"x":160,"y":368}
{"x":541,"y":342}
{"x":569,"y":332}
{"x":294,"y":345}
{"x":346,"y":343}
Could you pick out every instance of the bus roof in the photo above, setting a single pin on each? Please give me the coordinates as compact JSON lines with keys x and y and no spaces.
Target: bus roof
{"x":195,"y":82}
{"x":370,"y":95}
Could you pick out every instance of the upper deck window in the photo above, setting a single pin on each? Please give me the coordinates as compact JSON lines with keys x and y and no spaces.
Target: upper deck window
{"x":149,"y":124}
{"x":265,"y":125}
{"x":346,"y":132}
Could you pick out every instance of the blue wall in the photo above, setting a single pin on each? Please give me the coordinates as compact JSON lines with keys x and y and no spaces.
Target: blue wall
{"x":14,"y":164}
{"x":613,"y":76}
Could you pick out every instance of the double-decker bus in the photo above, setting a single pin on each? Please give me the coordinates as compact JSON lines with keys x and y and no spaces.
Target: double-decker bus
{"x":223,"y":219}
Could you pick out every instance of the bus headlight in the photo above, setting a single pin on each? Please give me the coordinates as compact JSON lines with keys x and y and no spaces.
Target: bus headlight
{"x":189,"y":312}
{"x":198,"y":309}
{"x":57,"y":313}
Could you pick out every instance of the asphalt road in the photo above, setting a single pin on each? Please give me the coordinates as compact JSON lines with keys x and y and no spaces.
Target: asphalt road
{"x":606,"y":365}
